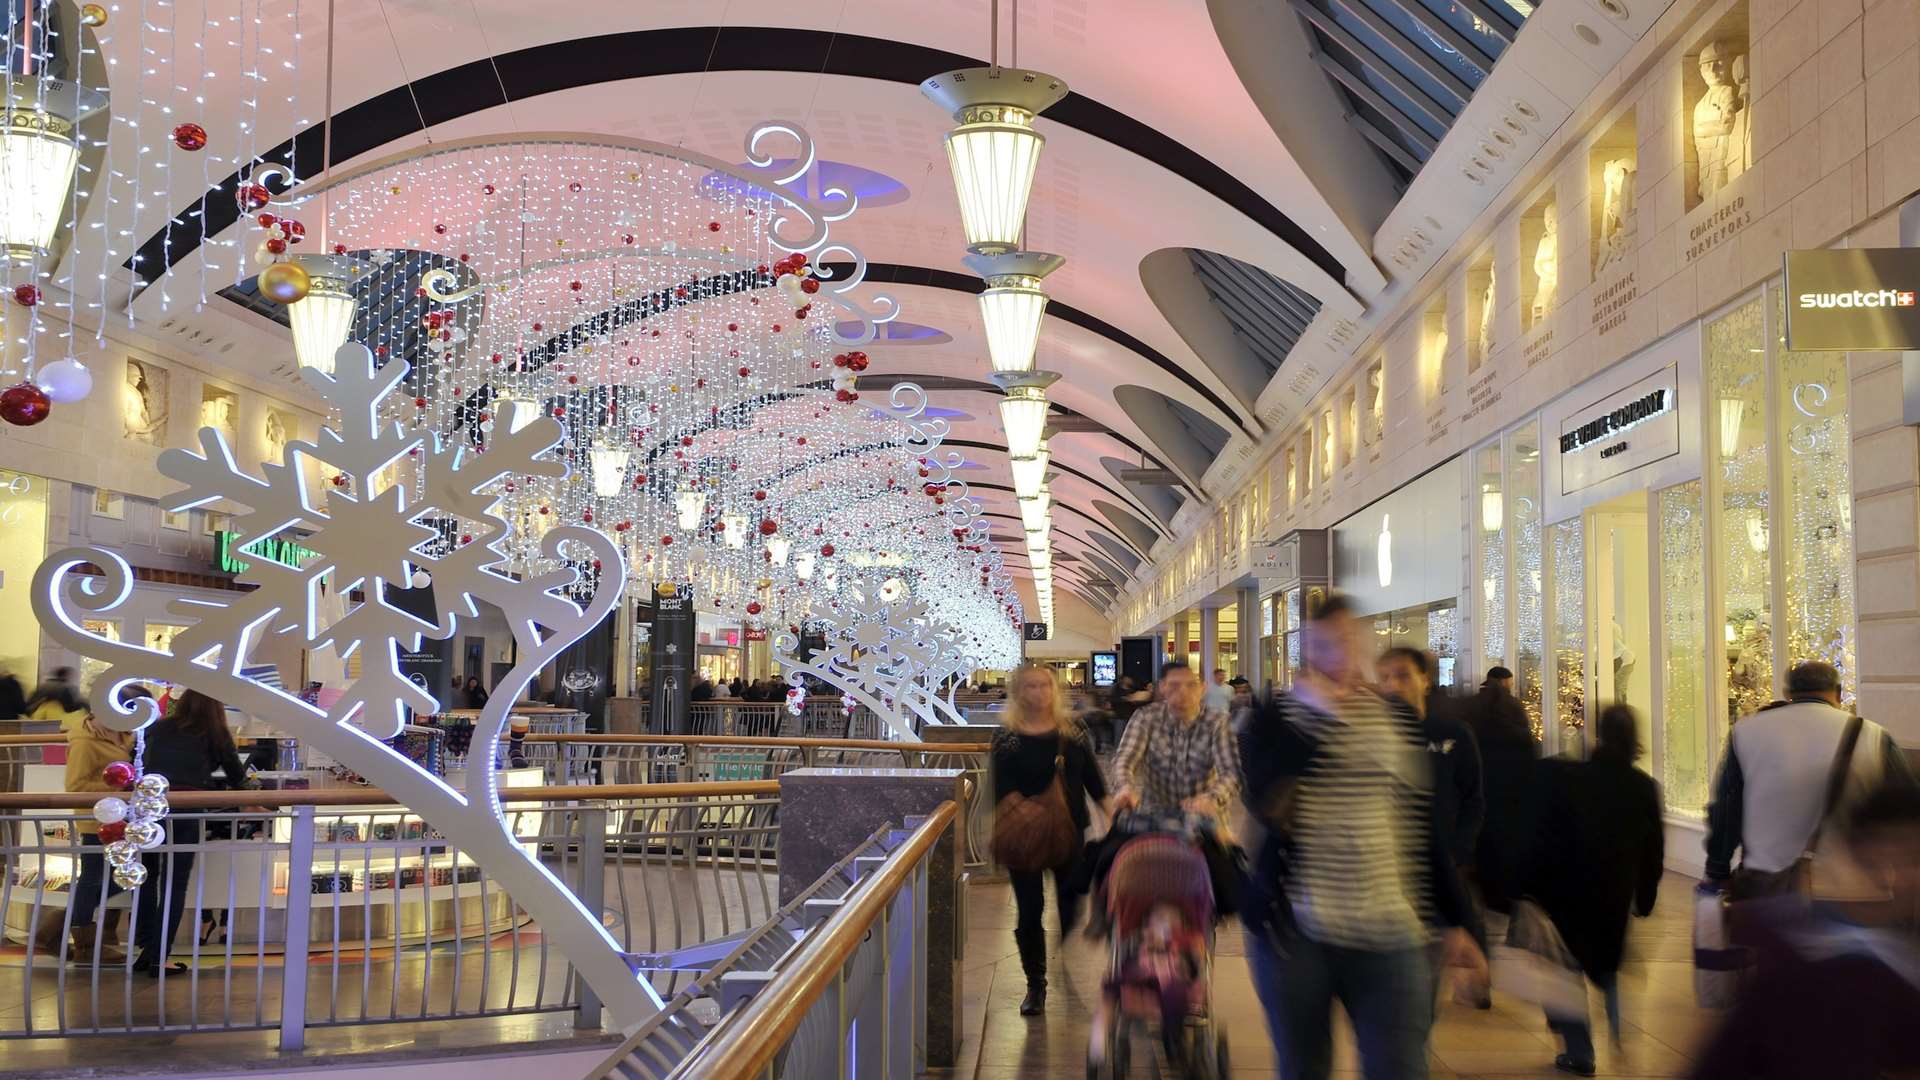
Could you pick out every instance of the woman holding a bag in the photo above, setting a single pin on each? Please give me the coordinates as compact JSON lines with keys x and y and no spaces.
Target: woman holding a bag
{"x":1043,"y":773}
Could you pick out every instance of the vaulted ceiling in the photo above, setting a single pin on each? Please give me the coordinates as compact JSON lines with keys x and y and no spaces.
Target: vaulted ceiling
{"x":1204,"y":230}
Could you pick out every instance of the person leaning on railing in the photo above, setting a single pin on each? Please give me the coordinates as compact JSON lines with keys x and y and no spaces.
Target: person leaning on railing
{"x":187,"y":746}
{"x":90,"y":749}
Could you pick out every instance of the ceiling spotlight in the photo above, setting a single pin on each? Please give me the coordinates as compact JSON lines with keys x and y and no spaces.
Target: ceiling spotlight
{"x":994,"y":150}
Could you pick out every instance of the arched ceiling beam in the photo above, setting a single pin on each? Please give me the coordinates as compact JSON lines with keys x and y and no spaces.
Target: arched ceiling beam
{"x":488,"y":82}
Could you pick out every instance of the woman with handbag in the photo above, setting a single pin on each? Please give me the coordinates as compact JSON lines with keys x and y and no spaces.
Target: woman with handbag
{"x":1043,"y":773}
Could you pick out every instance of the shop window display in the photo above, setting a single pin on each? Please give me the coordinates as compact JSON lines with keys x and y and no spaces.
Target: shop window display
{"x":1523,"y":522}
{"x":1566,"y":541}
{"x":1491,"y":537}
{"x":1737,"y":392}
{"x":23,"y":543}
{"x":1811,"y":400}
{"x":1686,"y":748}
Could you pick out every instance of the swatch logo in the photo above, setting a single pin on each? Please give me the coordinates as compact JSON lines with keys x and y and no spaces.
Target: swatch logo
{"x":1858,"y":298}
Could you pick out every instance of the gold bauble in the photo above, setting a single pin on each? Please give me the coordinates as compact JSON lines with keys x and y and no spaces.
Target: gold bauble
{"x":668,"y":588}
{"x":285,"y":283}
{"x":93,"y":15}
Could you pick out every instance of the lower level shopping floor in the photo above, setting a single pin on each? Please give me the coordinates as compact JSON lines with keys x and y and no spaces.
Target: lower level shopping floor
{"x":1660,"y":1030}
{"x":1661,"y":1027}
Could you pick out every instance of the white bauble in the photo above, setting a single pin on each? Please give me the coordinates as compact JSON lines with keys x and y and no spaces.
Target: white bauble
{"x":65,"y":381}
{"x":110,"y":809}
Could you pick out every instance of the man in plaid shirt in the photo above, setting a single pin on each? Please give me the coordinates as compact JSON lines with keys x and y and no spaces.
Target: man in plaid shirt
{"x":1177,"y":756}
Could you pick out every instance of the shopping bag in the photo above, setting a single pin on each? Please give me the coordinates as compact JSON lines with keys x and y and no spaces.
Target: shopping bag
{"x":1717,"y":963}
{"x":1535,"y":965}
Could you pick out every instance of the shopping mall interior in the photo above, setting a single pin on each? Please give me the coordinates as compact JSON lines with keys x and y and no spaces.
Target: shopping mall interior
{"x":780,"y":418}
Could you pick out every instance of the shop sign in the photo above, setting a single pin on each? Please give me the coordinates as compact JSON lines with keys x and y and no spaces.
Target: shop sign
{"x":756,"y":633}
{"x":1034,"y":631}
{"x":1853,"y":300}
{"x":1621,"y":432}
{"x":1281,"y":560}
{"x":227,"y":554}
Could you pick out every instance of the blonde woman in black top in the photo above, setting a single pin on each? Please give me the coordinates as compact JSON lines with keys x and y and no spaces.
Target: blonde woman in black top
{"x":1040,"y":729}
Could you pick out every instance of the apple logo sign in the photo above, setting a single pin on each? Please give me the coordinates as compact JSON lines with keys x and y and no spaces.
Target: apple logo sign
{"x":1386,"y":550}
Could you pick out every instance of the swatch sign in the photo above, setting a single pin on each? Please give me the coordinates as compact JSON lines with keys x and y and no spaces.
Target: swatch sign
{"x":1853,"y":300}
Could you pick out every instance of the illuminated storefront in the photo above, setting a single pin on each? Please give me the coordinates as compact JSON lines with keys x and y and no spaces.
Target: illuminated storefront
{"x":1673,"y":534}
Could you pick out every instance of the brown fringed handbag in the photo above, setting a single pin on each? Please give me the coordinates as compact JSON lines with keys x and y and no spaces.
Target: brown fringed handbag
{"x":1037,"y":833}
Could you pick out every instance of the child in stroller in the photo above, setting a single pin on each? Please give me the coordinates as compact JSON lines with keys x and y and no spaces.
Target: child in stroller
{"x":1158,"y":899}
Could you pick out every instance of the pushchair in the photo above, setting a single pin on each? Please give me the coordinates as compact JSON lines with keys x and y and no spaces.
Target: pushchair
{"x":1158,"y":899}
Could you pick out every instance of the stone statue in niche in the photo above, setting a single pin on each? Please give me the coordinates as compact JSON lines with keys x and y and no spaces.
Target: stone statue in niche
{"x":1616,"y":212}
{"x":277,"y":434}
{"x":217,"y":412}
{"x":143,"y":402}
{"x":1486,"y":320}
{"x":1722,"y":139}
{"x":1546,"y":267}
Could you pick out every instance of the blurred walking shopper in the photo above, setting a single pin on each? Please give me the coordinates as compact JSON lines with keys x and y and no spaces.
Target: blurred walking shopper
{"x":1177,"y":756}
{"x":56,"y":698}
{"x":1459,"y":797}
{"x":1219,"y":695}
{"x":1777,"y":784}
{"x":1352,"y":878}
{"x":1508,"y":754}
{"x":1043,"y":768}
{"x":1833,"y":999}
{"x":187,"y":746}
{"x":1596,"y":855}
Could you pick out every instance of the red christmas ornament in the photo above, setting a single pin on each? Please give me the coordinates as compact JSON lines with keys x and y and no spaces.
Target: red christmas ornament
{"x":760,"y":496}
{"x":292,"y":229}
{"x":275,"y":245}
{"x":810,"y":286}
{"x":117,"y":774}
{"x":24,"y":405}
{"x":753,"y":607}
{"x":190,"y":137}
{"x":26,"y":295}
{"x":768,"y":526}
{"x":252,"y":197}
{"x":339,"y":249}
{"x":666,"y":541}
{"x":826,"y":550}
{"x":713,"y":226}
{"x":113,"y":831}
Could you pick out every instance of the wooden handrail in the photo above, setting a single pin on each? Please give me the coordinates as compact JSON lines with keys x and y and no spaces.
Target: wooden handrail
{"x":229,"y":800}
{"x":749,"y":1041}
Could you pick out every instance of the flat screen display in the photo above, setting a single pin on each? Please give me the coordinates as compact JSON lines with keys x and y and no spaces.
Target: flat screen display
{"x":1106,"y":668}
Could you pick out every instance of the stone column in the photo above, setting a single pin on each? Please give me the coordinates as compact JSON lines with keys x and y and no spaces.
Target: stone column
{"x":1886,"y":524}
{"x":827,"y":812}
{"x":1177,"y":644}
{"x":1209,"y":643}
{"x":1250,"y":632}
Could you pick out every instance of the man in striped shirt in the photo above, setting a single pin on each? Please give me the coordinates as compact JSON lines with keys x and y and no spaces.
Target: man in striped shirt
{"x":1351,"y":880}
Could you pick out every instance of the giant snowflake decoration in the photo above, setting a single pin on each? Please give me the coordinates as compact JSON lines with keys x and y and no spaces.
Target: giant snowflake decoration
{"x":887,"y":653}
{"x":372,"y":540}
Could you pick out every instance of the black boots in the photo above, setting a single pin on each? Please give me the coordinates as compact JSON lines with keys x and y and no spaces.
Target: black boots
{"x":1033,"y":963}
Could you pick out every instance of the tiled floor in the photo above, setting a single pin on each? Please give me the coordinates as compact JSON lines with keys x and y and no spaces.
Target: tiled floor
{"x":1660,"y":1024}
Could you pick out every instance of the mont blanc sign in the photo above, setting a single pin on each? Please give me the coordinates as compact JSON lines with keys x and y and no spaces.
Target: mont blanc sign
{"x":1853,"y":300}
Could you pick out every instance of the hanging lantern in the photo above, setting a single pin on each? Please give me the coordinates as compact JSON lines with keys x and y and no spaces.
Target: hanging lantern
{"x":525,"y":411}
{"x":803,"y":565}
{"x":691,"y":503}
{"x":1029,"y":473}
{"x":1023,"y":411}
{"x":609,"y":468}
{"x":39,"y":151}
{"x":994,"y":150}
{"x":777,"y":547}
{"x":322,"y":319}
{"x":734,"y":530}
{"x":1012,"y":306}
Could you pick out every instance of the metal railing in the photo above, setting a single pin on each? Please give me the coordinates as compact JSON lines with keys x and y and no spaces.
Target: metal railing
{"x":399,"y":924}
{"x":850,"y":999}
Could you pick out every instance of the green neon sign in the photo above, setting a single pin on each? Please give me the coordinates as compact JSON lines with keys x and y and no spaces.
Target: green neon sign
{"x":227,"y":556}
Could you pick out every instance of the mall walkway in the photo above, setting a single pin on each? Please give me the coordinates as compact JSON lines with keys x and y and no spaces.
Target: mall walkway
{"x":1661,"y":1025}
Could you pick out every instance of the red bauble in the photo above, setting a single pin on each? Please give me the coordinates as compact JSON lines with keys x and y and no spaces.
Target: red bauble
{"x":26,"y":295}
{"x":24,"y":405}
{"x":117,"y":775}
{"x":666,"y":541}
{"x":768,"y":526}
{"x":114,"y":831}
{"x":826,"y":550}
{"x":857,"y":362}
{"x":275,"y":245}
{"x":713,"y":226}
{"x":252,"y":197}
{"x":810,"y":286}
{"x":190,"y":137}
{"x":753,"y":607}
{"x":760,"y":496}
{"x":292,"y":229}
